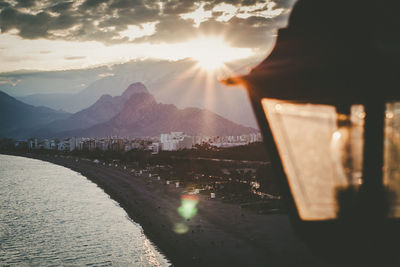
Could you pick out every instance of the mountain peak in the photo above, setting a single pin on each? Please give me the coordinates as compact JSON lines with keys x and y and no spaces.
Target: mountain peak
{"x":104,"y":98}
{"x":134,"y":88}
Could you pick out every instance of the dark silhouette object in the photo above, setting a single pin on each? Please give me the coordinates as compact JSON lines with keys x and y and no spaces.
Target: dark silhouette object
{"x":339,"y":54}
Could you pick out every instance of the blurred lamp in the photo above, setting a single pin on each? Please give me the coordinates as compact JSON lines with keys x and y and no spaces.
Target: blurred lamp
{"x":327,"y":102}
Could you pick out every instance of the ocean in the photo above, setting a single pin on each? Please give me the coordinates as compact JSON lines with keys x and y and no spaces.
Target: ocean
{"x":53,"y":216}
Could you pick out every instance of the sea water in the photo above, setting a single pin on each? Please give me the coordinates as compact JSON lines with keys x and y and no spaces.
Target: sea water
{"x":53,"y":216}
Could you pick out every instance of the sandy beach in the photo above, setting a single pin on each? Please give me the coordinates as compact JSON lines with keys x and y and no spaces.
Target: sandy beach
{"x":220,"y":234}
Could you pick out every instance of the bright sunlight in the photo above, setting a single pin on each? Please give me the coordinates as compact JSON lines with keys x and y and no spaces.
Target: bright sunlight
{"x":212,"y":53}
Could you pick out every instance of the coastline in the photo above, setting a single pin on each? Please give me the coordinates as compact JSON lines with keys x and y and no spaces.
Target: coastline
{"x":220,"y":234}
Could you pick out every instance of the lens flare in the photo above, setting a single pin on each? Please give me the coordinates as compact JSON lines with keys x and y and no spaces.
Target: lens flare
{"x":188,"y":207}
{"x":181,"y":228}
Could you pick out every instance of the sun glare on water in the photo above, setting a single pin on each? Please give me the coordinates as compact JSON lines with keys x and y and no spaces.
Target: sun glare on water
{"x":212,"y":53}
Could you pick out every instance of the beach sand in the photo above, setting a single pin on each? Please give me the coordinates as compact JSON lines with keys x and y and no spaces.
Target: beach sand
{"x":220,"y":234}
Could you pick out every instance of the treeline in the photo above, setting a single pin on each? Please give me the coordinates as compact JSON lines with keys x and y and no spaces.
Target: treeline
{"x":251,"y":152}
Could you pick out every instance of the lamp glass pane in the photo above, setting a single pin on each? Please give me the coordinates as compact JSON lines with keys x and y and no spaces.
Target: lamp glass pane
{"x":321,"y":153}
{"x":391,"y":170}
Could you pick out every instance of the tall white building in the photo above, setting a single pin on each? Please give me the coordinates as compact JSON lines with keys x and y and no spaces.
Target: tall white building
{"x":175,"y":141}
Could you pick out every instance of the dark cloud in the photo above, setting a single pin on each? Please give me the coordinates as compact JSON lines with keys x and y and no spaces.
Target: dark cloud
{"x":61,"y":7}
{"x":103,"y":20}
{"x":4,"y":4}
{"x":124,"y":17}
{"x":287,"y":4}
{"x":26,"y":3}
{"x":29,"y":26}
{"x":93,"y":3}
{"x":122,"y":4}
{"x":176,"y":7}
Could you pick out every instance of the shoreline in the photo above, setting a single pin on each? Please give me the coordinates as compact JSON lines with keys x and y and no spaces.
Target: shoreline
{"x":221,"y":234}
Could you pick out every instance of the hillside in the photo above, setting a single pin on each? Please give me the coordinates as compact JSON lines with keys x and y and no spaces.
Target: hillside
{"x":17,"y":117}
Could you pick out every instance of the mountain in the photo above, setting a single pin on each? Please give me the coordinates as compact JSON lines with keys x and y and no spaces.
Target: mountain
{"x":143,"y":116}
{"x":103,"y":110}
{"x":134,"y":113}
{"x":112,"y":81}
{"x":80,"y":100}
{"x":17,"y":117}
{"x":54,"y":101}
{"x":181,"y":83}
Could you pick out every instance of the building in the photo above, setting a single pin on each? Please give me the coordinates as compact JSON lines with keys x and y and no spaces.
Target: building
{"x":154,"y":147}
{"x":176,"y":141}
{"x":32,"y":143}
{"x":63,"y":145}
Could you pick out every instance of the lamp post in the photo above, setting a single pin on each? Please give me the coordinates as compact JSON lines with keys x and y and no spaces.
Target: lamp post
{"x":326,"y":103}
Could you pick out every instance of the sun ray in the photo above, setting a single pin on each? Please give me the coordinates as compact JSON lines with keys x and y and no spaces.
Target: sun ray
{"x":208,"y":64}
{"x":172,"y":88}
{"x":211,"y":53}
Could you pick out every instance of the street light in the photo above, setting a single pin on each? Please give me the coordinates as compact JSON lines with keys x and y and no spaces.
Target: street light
{"x":326,"y":102}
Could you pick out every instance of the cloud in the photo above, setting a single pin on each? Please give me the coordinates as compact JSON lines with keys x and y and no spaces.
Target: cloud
{"x":4,"y":4}
{"x":74,"y":57}
{"x":106,"y":74}
{"x":26,"y":3}
{"x":28,"y":25}
{"x":176,"y":20}
{"x":61,"y":7}
{"x":176,"y":7}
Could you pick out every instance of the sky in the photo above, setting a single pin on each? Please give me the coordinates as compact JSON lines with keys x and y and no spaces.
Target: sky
{"x":60,"y":35}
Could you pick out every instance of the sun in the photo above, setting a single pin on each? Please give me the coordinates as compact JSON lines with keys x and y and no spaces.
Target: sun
{"x":211,"y":53}
{"x":209,"y":62}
